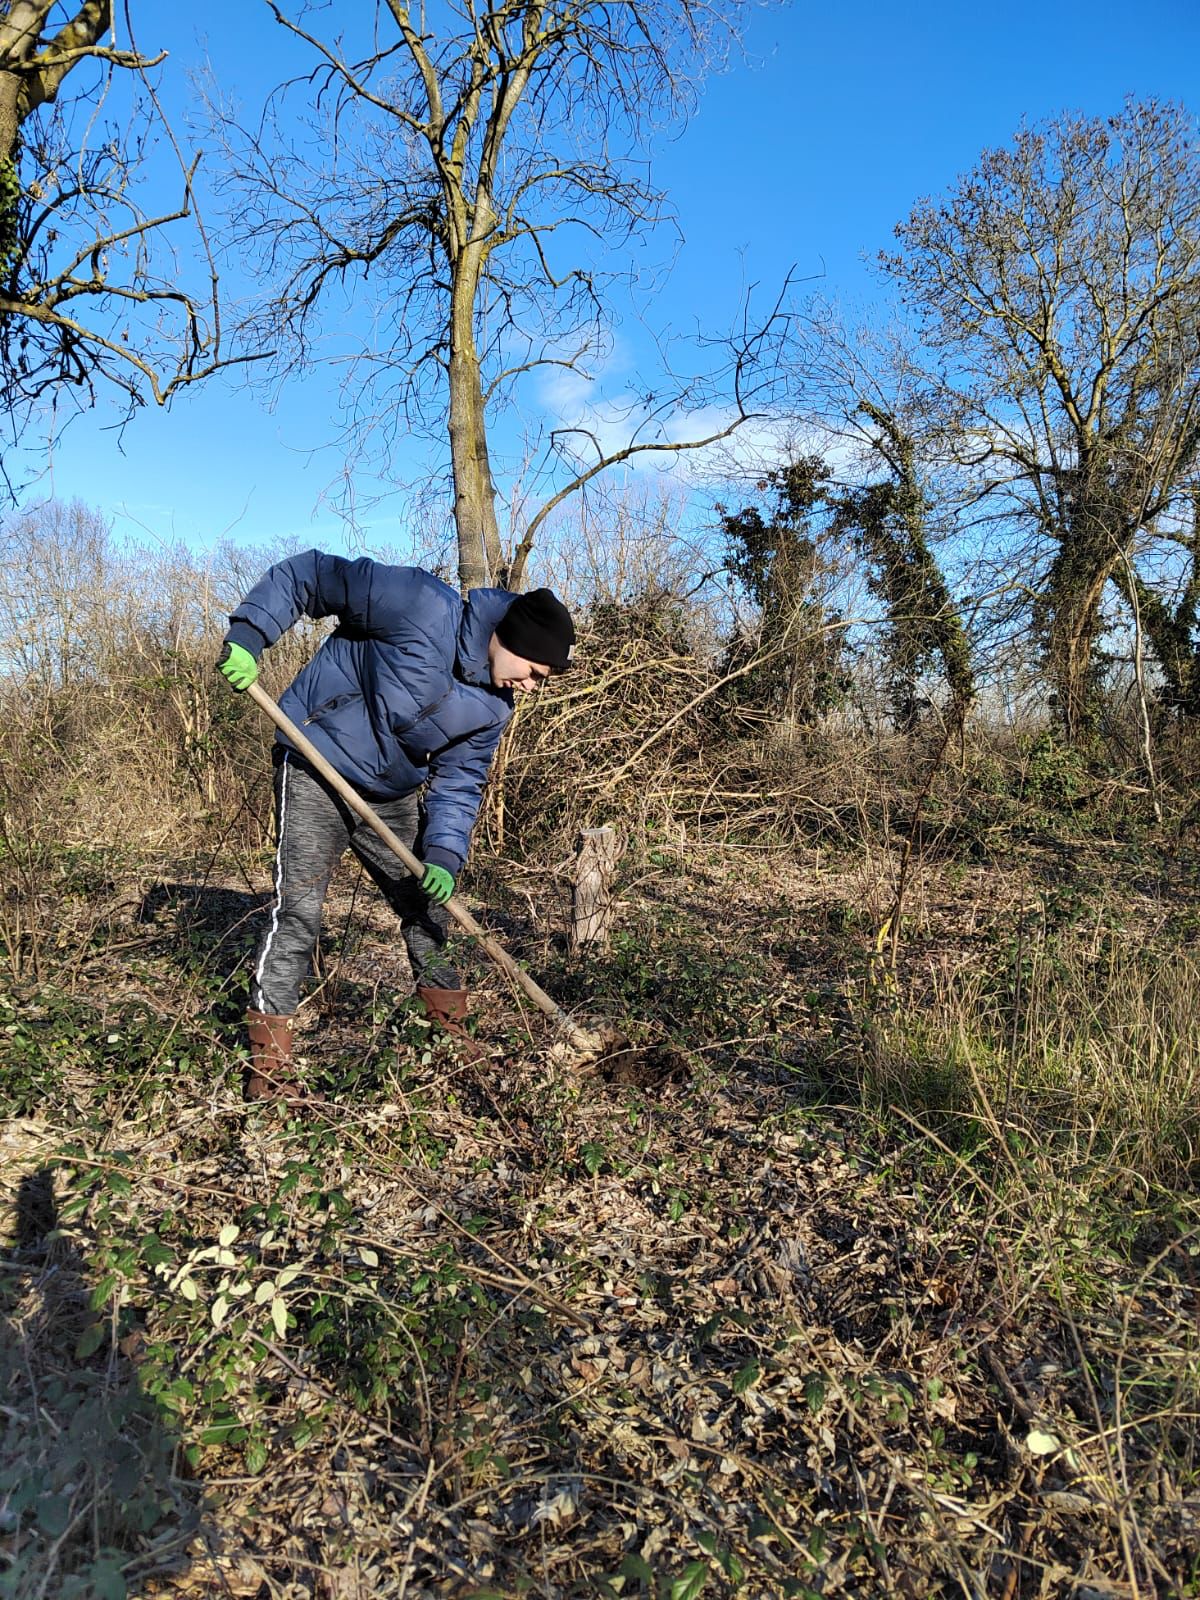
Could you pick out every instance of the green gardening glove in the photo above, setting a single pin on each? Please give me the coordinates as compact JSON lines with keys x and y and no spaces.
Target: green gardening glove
{"x":238,"y":665}
{"x":438,"y":884}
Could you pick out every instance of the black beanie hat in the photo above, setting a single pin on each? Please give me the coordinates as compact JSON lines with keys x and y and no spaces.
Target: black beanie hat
{"x":538,"y":626}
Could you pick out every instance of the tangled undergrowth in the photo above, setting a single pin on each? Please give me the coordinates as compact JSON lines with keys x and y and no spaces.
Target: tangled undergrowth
{"x":848,"y":1285}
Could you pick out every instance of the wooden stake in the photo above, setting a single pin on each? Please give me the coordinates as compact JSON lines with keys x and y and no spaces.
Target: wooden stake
{"x":599,"y":849}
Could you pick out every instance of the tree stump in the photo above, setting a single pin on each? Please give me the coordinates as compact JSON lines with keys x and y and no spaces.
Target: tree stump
{"x":599,"y":850}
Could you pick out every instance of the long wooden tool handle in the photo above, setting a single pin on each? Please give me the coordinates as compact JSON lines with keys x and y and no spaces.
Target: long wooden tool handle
{"x":454,"y":906}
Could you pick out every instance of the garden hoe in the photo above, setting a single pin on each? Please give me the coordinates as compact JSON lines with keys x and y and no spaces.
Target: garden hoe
{"x":574,"y":1045}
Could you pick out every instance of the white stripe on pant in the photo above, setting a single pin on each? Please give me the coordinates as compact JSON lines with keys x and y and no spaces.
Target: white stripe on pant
{"x":314,"y":828}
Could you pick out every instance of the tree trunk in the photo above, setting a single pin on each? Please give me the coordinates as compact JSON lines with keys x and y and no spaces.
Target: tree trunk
{"x":10,"y":122}
{"x":1072,"y":613}
{"x":1171,"y":632}
{"x":599,"y":849}
{"x":20,"y":37}
{"x":20,"y":28}
{"x":474,"y":491}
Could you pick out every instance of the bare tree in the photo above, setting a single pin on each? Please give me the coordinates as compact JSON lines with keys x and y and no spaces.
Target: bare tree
{"x":468,"y":166}
{"x":83,"y":295}
{"x":1058,"y":286}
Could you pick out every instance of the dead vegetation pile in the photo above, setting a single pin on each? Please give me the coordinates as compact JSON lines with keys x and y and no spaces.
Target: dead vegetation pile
{"x":653,"y":729}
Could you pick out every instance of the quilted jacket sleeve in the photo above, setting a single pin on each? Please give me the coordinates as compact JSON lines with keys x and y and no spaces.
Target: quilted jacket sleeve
{"x":457,"y":776}
{"x":311,"y":585}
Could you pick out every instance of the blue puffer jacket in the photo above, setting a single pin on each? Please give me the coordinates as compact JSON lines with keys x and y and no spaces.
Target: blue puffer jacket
{"x":400,"y":695}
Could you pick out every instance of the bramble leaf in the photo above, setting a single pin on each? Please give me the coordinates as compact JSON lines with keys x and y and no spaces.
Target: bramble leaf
{"x":695,"y":1576}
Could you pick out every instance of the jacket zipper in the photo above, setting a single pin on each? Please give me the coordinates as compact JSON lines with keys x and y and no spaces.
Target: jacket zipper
{"x":328,"y":705}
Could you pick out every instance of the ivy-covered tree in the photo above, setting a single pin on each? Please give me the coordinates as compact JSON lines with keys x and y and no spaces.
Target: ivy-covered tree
{"x":1058,"y":288}
{"x":774,"y":557}
{"x":1170,"y":618}
{"x":924,"y":630}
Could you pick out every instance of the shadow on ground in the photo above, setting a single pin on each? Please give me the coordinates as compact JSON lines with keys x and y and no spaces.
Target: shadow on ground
{"x":90,"y":1501}
{"x":207,"y":923}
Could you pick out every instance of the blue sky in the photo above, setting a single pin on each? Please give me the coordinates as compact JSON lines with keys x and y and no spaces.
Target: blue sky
{"x":803,"y":155}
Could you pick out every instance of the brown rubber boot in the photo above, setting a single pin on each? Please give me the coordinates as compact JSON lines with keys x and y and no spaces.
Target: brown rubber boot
{"x":268,"y":1076}
{"x":447,"y":1010}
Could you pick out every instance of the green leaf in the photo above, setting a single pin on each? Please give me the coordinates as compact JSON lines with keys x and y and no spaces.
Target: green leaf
{"x":255,"y":1455}
{"x":90,"y":1340}
{"x":106,"y":1580}
{"x":746,"y":1377}
{"x":695,"y":1576}
{"x":103,"y":1289}
{"x":220,"y":1432}
{"x":731,"y":1567}
{"x":634,"y":1566}
{"x":53,"y":1514}
{"x":706,"y":1329}
{"x":154,"y":1252}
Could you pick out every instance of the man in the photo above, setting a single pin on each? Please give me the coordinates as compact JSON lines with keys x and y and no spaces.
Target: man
{"x":407,"y":699}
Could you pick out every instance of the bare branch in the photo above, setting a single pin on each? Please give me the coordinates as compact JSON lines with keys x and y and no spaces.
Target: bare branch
{"x":85,"y":241}
{"x":455,"y":154}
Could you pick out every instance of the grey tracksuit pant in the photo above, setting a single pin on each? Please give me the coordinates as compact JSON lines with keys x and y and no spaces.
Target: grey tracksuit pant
{"x":313,"y":826}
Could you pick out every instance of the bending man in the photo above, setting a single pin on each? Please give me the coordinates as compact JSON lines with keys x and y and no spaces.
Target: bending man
{"x":407,"y":699}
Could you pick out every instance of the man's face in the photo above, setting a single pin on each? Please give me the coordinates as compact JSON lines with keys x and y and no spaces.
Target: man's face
{"x":511,"y":671}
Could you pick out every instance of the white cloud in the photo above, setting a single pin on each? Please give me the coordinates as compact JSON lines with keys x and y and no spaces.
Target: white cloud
{"x":615,"y":423}
{"x":609,"y":410}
